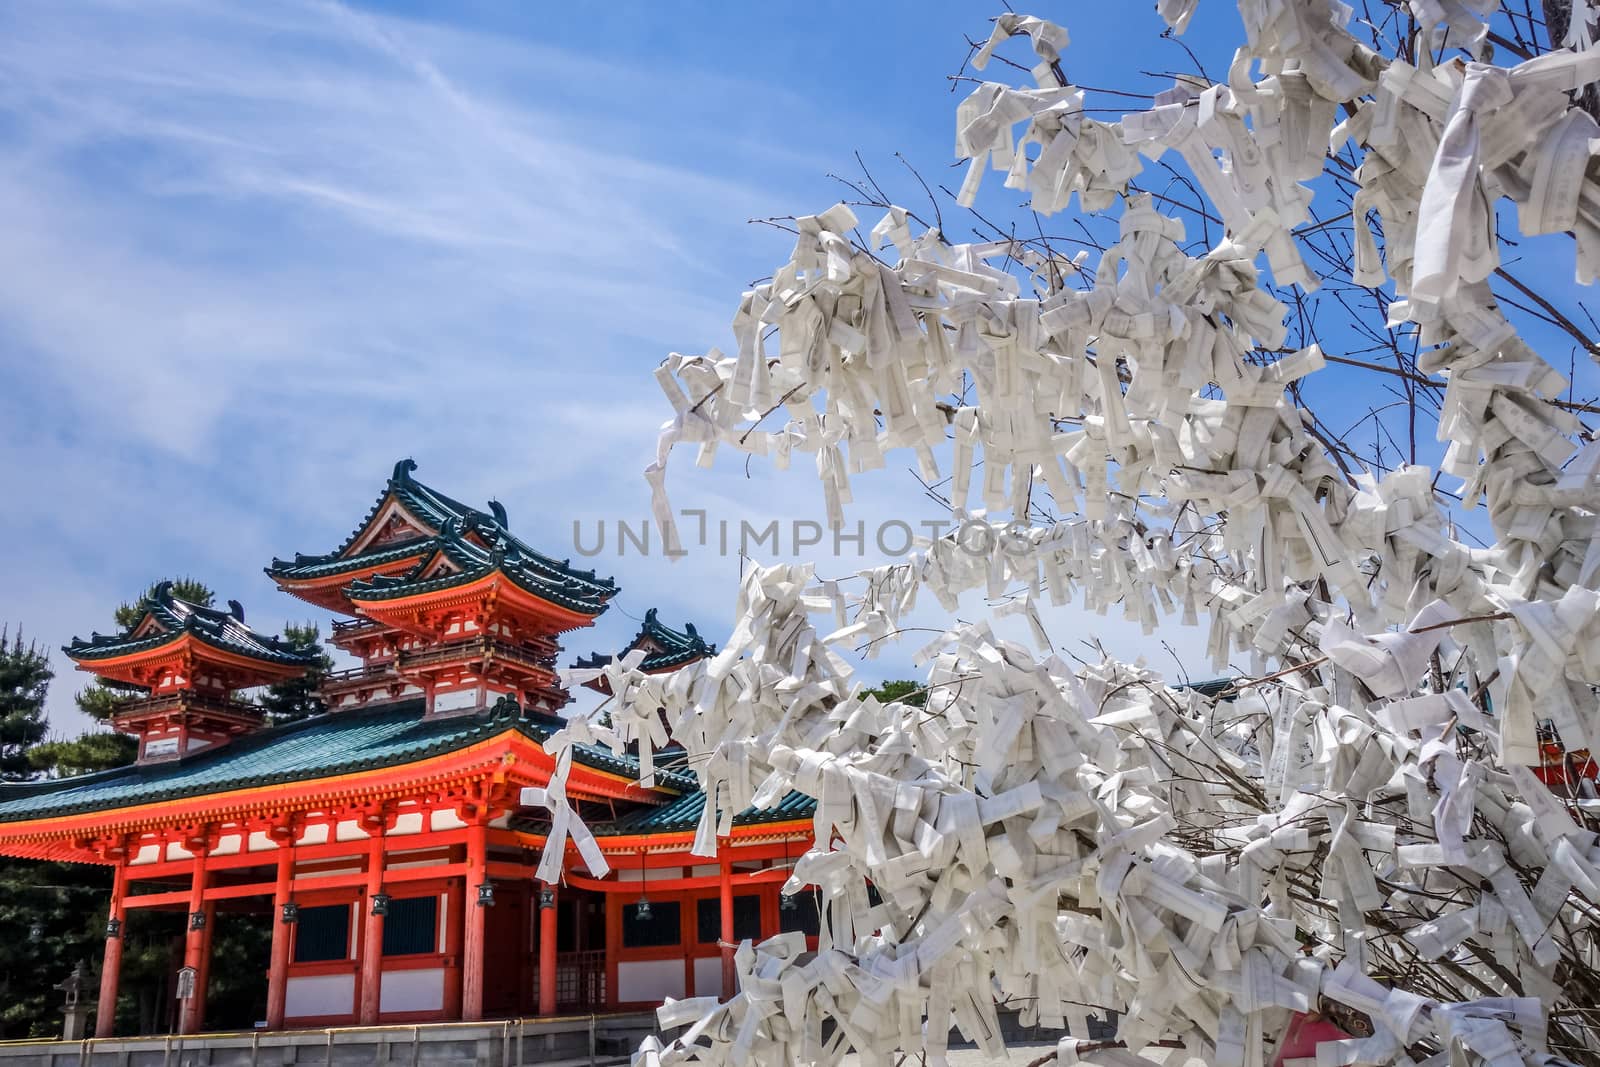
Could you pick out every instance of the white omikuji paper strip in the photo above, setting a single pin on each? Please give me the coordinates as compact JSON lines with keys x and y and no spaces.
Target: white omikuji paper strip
{"x":1359,"y":827}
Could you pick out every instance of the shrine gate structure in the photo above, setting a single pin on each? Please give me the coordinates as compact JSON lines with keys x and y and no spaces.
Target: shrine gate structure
{"x":385,"y":837}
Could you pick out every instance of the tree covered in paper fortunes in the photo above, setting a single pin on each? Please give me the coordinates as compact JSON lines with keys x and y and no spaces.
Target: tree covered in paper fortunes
{"x":1356,"y":826}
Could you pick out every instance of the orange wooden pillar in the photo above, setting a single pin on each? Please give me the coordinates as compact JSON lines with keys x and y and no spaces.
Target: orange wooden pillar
{"x":614,"y":906}
{"x":197,"y":947}
{"x":547,"y":950}
{"x":282,"y":935}
{"x":454,"y":920}
{"x":111,"y":970}
{"x":728,"y":975}
{"x":472,"y":951}
{"x":372,"y":941}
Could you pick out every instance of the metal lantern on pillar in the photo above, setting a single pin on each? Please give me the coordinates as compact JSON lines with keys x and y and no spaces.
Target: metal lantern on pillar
{"x":380,"y":903}
{"x":786,"y":901}
{"x":641,"y":910}
{"x":485,"y":894}
{"x":197,"y":920}
{"x":291,"y":913}
{"x":547,"y":897}
{"x":113,"y":929}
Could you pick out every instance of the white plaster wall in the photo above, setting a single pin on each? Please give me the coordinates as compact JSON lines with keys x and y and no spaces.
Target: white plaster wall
{"x":456,"y":700}
{"x":349,"y":830}
{"x":652,"y":874}
{"x":651,"y":980}
{"x":447,"y":820}
{"x":708,"y":976}
{"x":176,"y":851}
{"x":707,"y":870}
{"x":146,"y":854}
{"x":228,"y":846}
{"x":412,"y":990}
{"x":319,"y":994}
{"x":260,"y":842}
{"x":314,"y":835}
{"x":407,"y":823}
{"x":160,"y":746}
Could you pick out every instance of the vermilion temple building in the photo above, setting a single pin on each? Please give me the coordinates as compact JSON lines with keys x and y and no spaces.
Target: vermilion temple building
{"x":385,"y":837}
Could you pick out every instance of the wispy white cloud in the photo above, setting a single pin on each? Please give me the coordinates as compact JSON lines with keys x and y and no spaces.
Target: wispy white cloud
{"x":251,"y":254}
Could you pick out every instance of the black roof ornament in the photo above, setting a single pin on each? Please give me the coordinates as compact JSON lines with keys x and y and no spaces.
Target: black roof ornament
{"x":236,"y":609}
{"x":499,"y":511}
{"x":403,"y":469}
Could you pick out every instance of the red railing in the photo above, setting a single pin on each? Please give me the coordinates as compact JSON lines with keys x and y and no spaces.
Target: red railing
{"x":188,"y":700}
{"x":542,"y":658}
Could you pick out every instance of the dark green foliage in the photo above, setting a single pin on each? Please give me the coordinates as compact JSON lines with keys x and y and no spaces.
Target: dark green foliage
{"x":152,"y":952}
{"x":127,"y":616}
{"x":241,"y":949}
{"x":297,"y":698}
{"x":89,"y":752}
{"x":903,"y":690}
{"x":51,"y":914}
{"x":24,"y":680}
{"x":67,"y":906}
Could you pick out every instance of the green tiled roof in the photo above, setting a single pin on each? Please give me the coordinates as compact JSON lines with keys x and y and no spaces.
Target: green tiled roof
{"x":441,"y":514}
{"x":668,"y":647}
{"x":335,"y":743}
{"x":303,"y":566}
{"x":472,"y":561}
{"x":1211,"y":687}
{"x":223,"y":630}
{"x":684,"y":814}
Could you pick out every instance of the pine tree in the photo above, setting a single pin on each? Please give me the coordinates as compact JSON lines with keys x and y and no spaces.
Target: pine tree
{"x":127,"y":615}
{"x":46,"y":908}
{"x":297,"y":698}
{"x":902,"y":689}
{"x":24,"y":679}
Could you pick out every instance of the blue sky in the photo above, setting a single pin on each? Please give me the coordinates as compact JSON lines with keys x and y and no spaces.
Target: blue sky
{"x":253,"y":254}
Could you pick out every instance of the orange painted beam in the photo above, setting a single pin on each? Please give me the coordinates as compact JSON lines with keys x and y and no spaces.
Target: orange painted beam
{"x":632,"y":887}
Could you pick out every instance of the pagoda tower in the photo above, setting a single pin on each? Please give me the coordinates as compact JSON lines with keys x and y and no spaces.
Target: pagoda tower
{"x":190,"y":661}
{"x":445,"y":604}
{"x":664,"y":649}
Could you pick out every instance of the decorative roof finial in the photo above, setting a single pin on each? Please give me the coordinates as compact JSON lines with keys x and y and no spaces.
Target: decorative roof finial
{"x":403,"y":469}
{"x":236,"y":609}
{"x":499,"y":511}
